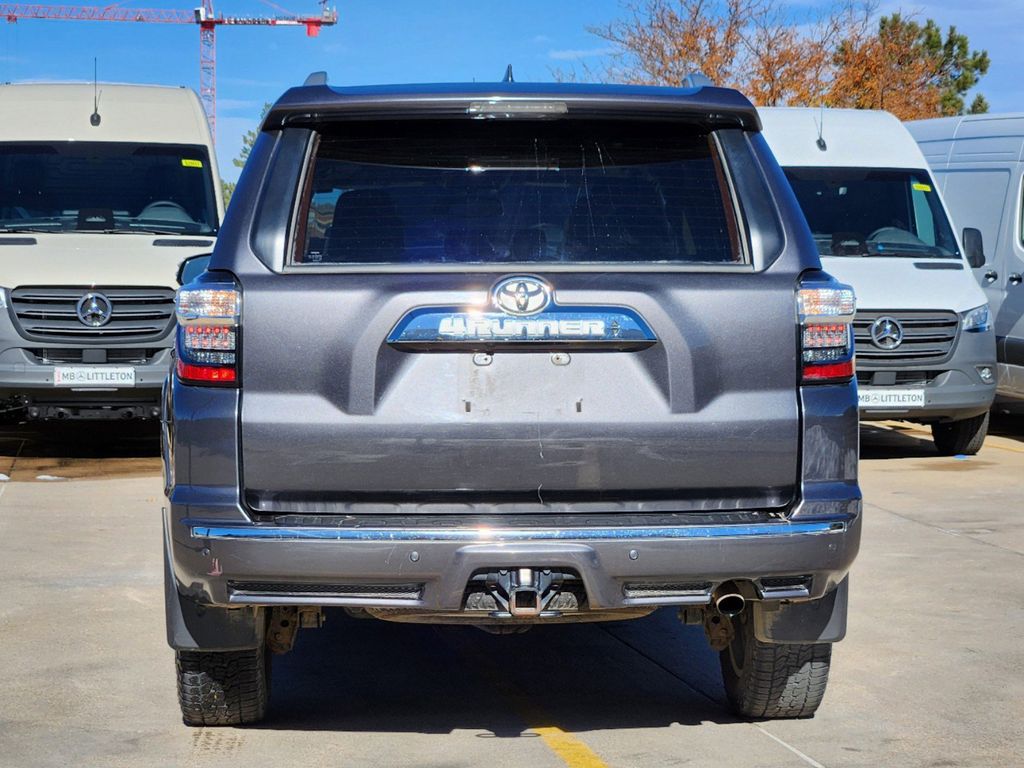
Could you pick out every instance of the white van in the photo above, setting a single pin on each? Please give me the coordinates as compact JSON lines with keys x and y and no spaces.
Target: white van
{"x":923,"y":337}
{"x":104,"y":191}
{"x":978,"y":161}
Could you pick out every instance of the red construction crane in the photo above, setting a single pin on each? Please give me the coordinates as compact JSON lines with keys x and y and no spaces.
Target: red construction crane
{"x":203,"y":16}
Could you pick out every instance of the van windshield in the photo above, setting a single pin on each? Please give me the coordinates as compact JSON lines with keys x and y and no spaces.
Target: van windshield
{"x":106,"y":187}
{"x":491,"y":192}
{"x":873,"y":212}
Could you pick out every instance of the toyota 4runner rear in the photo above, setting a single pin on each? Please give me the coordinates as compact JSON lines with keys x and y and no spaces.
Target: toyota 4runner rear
{"x":508,"y":355}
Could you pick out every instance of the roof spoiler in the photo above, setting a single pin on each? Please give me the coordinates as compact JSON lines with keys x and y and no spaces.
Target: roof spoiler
{"x":692,"y":80}
{"x":698,"y":100}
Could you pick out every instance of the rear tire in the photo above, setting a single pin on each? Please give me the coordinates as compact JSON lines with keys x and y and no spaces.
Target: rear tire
{"x":961,"y":437}
{"x":766,"y":680}
{"x":223,"y":687}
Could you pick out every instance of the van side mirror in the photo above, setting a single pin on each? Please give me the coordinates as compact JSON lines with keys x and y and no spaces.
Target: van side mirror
{"x":192,"y":267}
{"x":974,"y":248}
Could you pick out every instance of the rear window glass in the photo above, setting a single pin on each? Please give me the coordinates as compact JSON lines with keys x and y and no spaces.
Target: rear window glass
{"x":497,"y":191}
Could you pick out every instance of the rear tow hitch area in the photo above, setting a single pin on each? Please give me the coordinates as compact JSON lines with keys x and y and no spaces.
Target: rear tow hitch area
{"x":516,"y":593}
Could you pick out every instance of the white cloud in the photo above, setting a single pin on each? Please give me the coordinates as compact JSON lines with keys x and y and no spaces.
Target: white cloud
{"x":573,"y":54}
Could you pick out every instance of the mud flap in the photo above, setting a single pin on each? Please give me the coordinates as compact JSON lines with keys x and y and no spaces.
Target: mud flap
{"x":815,"y":621}
{"x":195,"y":627}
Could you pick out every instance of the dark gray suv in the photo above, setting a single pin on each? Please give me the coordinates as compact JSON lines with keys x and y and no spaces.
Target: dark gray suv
{"x":506,"y":355}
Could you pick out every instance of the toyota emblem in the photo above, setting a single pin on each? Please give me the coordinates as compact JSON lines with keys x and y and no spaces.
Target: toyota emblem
{"x":522,"y":295}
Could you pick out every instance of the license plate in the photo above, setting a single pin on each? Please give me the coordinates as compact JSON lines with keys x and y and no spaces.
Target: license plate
{"x":890,"y":399}
{"x":93,"y":377}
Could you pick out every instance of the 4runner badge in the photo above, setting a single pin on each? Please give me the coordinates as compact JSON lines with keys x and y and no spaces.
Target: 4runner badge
{"x":525,"y":314}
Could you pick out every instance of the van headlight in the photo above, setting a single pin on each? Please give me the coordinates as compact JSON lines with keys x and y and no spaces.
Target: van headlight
{"x":978,"y":319}
{"x":3,"y":298}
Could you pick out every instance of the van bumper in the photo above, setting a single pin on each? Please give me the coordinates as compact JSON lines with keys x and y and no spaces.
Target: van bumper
{"x":954,"y":391}
{"x":30,"y":385}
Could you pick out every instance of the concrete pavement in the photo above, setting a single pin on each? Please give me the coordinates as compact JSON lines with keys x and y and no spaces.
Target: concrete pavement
{"x":930,"y":674}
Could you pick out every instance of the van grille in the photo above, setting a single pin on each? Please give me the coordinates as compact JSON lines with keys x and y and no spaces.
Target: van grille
{"x":897,"y":378}
{"x":928,"y":336}
{"x":76,"y":355}
{"x":52,"y":313}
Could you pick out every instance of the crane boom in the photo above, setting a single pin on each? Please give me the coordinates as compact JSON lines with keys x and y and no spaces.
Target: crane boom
{"x":203,"y":16}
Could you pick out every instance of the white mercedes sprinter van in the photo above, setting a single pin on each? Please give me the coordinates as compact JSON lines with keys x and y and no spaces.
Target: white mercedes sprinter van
{"x":923,"y":335}
{"x":103,"y":192}
{"x":978,"y":161}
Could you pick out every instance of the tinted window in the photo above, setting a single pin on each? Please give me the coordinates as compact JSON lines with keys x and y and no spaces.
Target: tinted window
{"x":101,"y":186}
{"x":482,"y":192}
{"x":863,"y":212}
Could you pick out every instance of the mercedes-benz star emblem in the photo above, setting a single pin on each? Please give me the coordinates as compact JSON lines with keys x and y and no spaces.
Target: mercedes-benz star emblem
{"x":522,"y":295}
{"x":887,"y":333}
{"x":94,"y":310}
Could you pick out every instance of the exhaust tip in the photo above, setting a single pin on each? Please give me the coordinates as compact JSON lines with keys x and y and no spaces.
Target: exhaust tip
{"x":728,"y":600}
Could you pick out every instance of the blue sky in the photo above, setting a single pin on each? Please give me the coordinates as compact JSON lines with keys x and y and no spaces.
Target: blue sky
{"x":401,"y":41}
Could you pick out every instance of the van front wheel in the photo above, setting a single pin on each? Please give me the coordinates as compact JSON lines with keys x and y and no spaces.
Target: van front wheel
{"x":961,"y":437}
{"x":768,"y":680}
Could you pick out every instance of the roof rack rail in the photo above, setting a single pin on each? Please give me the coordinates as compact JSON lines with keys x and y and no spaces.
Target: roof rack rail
{"x":696,"y":80}
{"x":316,"y":78}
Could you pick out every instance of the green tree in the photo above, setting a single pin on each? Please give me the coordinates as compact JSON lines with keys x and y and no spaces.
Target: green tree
{"x":978,"y":106}
{"x":249,"y":138}
{"x":227,"y":189}
{"x":957,"y":68}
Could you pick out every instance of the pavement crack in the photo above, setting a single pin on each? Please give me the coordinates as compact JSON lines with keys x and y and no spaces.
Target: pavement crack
{"x":14,"y":459}
{"x":700,"y":692}
{"x":806,"y":758}
{"x":947,"y":531}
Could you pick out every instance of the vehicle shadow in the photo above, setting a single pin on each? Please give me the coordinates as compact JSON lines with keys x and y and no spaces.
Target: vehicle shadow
{"x":1007,"y":425}
{"x":375,"y":676}
{"x":895,"y":441}
{"x":79,"y":450}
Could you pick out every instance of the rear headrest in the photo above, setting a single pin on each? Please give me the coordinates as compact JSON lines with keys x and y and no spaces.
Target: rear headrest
{"x":366,"y":228}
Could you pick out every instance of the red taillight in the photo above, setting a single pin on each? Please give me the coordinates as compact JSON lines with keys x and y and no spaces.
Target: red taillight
{"x":205,"y":374}
{"x":207,"y":348}
{"x":826,"y":313}
{"x":829,"y":371}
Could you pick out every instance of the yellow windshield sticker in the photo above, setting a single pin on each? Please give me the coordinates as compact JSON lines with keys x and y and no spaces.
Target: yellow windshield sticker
{"x":922,"y":187}
{"x":191,"y":163}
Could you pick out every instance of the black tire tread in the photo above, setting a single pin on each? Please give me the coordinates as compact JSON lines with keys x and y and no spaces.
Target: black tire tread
{"x":784,"y":681}
{"x":222,"y":687}
{"x":961,"y":437}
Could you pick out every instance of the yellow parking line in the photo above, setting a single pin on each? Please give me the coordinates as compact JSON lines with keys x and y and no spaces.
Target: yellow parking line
{"x":1007,"y":448}
{"x":572,"y":750}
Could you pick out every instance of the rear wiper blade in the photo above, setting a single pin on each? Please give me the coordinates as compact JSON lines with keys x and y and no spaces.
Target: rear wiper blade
{"x":29,"y":230}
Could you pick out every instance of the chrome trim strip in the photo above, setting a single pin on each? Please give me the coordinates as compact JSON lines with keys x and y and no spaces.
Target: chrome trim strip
{"x":203,"y":530}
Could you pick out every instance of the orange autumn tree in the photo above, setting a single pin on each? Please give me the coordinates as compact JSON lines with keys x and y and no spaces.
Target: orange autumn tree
{"x":846,"y":56}
{"x":905,"y":68}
